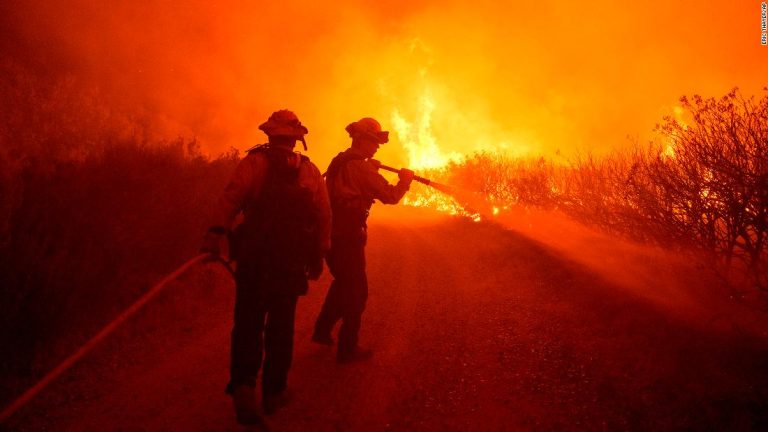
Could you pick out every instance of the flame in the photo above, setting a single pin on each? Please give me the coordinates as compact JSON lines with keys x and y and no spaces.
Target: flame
{"x":424,"y":153}
{"x":669,"y":150}
{"x":418,"y":140}
{"x":429,"y":198}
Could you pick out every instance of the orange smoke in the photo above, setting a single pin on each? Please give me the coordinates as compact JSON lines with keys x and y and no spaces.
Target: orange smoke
{"x":518,"y":78}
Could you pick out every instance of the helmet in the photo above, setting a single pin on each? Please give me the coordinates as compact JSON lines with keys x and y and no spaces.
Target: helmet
{"x":284,"y":123}
{"x":368,"y":127}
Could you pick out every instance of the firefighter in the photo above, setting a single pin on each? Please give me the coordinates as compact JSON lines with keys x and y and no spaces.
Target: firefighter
{"x":353,"y":183}
{"x":284,"y":233}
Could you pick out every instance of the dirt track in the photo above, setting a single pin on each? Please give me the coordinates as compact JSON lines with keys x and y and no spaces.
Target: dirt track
{"x":475,"y":327}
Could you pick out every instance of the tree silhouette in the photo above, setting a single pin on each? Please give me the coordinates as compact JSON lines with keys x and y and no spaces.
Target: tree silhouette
{"x":710,"y":179}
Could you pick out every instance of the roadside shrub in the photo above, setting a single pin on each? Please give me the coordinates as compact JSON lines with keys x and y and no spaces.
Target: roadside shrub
{"x":91,"y":215}
{"x":710,"y":180}
{"x":702,"y":186}
{"x":88,"y":237}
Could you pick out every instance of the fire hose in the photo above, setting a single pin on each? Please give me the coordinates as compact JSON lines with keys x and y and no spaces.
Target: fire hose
{"x":380,"y":165}
{"x":106,"y":331}
{"x":439,"y":186}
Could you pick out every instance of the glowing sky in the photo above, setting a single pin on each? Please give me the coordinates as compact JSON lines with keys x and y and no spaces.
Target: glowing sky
{"x":532,"y":77}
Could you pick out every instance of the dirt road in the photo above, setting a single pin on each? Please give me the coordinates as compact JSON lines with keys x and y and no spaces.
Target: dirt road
{"x":475,"y":327}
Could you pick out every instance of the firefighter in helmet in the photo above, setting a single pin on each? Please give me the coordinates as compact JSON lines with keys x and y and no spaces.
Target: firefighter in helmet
{"x":353,"y":184}
{"x":284,"y":233}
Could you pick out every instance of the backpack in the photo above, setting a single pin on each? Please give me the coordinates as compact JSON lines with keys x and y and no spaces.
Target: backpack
{"x":279,"y":235}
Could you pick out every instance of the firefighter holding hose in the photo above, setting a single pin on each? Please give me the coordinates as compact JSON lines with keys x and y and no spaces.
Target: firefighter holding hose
{"x":278,"y":246}
{"x":353,"y":184}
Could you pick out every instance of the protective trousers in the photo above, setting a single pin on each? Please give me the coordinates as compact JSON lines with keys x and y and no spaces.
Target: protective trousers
{"x":264,"y":324}
{"x":348,"y":292}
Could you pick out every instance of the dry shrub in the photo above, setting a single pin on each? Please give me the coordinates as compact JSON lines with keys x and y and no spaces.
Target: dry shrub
{"x":88,"y":237}
{"x":92,"y":214}
{"x":704,"y":186}
{"x":502,"y":180}
{"x":711,"y":181}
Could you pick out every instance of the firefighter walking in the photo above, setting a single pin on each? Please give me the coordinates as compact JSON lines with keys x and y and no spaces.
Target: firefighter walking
{"x":278,"y":246}
{"x":353,"y":184}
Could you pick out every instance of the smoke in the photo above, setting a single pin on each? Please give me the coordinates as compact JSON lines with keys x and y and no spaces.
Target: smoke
{"x":519,"y":78}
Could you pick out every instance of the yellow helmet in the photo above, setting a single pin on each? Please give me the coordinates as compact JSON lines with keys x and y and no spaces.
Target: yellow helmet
{"x":368,"y":127}
{"x":284,"y":123}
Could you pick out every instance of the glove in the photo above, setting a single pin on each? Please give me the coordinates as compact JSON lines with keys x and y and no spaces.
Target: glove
{"x":405,"y":175}
{"x":212,"y":241}
{"x":315,"y":269}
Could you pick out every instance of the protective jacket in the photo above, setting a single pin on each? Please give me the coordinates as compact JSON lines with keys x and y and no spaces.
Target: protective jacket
{"x":246,"y":185}
{"x":353,"y":185}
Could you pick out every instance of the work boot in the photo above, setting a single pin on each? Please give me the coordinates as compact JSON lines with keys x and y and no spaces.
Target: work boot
{"x":357,"y":355}
{"x":246,"y":409}
{"x":322,"y":338}
{"x":272,"y":403}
